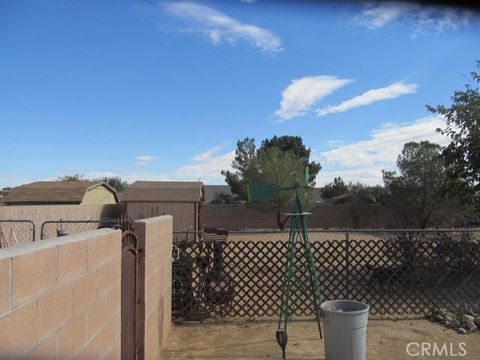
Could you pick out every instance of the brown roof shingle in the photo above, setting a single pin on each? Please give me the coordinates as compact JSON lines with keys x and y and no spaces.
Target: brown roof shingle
{"x":67,"y":192}
{"x":166,"y":191}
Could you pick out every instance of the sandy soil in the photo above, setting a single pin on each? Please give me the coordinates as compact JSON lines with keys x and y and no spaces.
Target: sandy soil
{"x":386,"y":340}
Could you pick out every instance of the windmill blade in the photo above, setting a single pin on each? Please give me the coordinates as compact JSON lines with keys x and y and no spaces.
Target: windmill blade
{"x":261,"y":192}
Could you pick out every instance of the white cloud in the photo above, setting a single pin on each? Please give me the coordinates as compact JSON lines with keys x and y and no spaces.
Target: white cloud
{"x":299,"y":97}
{"x":219,"y":27}
{"x":371,"y":175}
{"x":422,"y":19}
{"x":371,"y":96}
{"x":363,"y":160}
{"x":207,"y":166}
{"x":207,"y":155}
{"x":129,"y":177}
{"x":376,"y":16}
{"x":145,"y":159}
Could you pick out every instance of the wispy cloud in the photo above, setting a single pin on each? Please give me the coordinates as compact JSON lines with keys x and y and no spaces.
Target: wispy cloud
{"x":219,"y":27}
{"x":369,"y":97}
{"x":363,"y":160}
{"x":145,"y":159}
{"x":371,"y":175}
{"x":207,"y":165}
{"x":299,"y":97}
{"x":422,"y":19}
{"x":129,"y":177}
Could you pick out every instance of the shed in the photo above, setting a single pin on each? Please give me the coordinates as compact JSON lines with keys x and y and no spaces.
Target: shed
{"x":62,"y":193}
{"x":181,"y":199}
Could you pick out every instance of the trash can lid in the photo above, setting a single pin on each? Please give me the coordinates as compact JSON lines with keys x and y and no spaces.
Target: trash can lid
{"x":344,"y":307}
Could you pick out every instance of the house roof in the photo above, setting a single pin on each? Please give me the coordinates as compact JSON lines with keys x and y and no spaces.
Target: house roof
{"x":164,"y":191}
{"x":67,"y":192}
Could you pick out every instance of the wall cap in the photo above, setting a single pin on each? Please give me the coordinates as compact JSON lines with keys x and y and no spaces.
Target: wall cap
{"x":154,"y":219}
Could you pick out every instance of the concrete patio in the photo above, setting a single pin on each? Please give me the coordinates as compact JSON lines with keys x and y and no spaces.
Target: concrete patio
{"x":256,"y":340}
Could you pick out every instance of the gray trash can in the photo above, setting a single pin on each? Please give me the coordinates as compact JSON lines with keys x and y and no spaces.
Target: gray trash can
{"x":345,"y":324}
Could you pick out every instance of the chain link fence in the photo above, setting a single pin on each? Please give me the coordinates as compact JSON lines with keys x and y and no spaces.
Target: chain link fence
{"x":15,"y":232}
{"x":399,"y":273}
{"x":54,"y":228}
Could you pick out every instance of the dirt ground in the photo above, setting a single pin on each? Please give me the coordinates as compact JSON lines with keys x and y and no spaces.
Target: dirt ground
{"x":386,"y":340}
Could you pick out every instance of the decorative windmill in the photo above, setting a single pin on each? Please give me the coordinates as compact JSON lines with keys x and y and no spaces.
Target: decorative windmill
{"x":298,"y":232}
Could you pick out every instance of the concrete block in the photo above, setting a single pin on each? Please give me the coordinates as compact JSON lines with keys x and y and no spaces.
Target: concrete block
{"x":20,"y":331}
{"x":33,"y":274}
{"x":54,"y":310}
{"x":71,"y":338}
{"x":72,"y":261}
{"x":84,"y":292}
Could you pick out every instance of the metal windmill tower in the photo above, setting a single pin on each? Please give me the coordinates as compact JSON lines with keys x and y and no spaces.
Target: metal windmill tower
{"x":298,"y":235}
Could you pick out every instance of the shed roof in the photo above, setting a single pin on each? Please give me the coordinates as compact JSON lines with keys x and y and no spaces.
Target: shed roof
{"x":66,"y":192}
{"x":164,"y":191}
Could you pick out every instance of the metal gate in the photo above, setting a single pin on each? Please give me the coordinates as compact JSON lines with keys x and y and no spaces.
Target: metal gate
{"x":132,"y":305}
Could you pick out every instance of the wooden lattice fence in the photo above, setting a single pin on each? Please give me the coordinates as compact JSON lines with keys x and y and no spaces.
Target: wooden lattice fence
{"x":398,"y":273}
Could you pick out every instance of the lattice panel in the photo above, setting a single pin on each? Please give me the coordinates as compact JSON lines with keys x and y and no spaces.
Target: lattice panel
{"x":397,"y":274}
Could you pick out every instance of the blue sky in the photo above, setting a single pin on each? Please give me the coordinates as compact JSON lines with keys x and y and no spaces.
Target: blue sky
{"x":163,"y":90}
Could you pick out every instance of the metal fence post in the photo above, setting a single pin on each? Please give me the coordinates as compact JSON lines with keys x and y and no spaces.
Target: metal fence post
{"x":33,"y":232}
{"x":347,"y":262}
{"x":42,"y":228}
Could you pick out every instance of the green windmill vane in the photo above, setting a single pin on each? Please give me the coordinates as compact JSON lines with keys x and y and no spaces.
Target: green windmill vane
{"x":298,"y":233}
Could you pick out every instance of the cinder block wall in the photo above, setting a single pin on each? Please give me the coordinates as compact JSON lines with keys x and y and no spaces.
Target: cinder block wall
{"x":60,"y":299}
{"x":155,"y":236}
{"x":238,"y":216}
{"x":41,"y":213}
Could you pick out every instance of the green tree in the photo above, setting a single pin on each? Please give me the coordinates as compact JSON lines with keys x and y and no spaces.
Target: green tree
{"x":335,"y":188}
{"x":376,"y":193}
{"x":294,"y":144}
{"x":245,"y":168}
{"x":419,"y":196}
{"x":281,"y":169}
{"x":462,"y":155}
{"x":74,"y":177}
{"x":225,"y":198}
{"x":114,"y":181}
{"x":271,"y":165}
